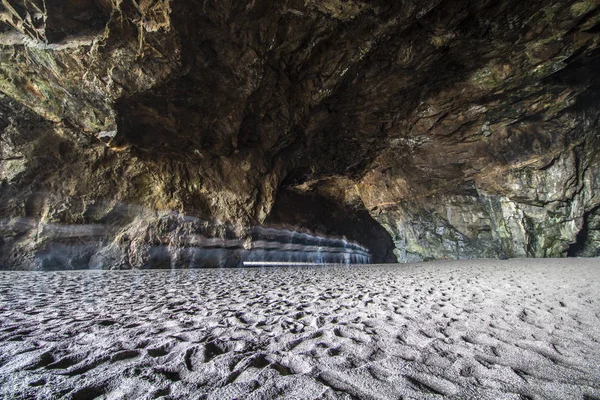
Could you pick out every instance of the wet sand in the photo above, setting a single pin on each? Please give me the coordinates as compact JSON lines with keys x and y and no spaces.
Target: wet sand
{"x":483,"y":329}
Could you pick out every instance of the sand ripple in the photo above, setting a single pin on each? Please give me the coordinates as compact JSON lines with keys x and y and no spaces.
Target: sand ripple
{"x":514,"y":329}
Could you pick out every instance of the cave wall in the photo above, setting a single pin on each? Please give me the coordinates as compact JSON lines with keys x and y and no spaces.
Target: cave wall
{"x":464,"y":129}
{"x":529,"y":207}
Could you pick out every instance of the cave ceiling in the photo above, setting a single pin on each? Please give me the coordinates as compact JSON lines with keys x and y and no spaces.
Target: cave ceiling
{"x":445,"y":121}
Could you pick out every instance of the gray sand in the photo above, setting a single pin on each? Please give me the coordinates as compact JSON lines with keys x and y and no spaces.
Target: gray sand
{"x":468,"y":329}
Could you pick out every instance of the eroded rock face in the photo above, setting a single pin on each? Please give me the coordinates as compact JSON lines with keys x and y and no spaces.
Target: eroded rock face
{"x":533,"y":208}
{"x":463,"y":129}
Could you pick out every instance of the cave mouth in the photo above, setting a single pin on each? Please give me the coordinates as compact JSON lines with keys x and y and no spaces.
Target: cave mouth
{"x":577,"y":248}
{"x":328,"y":217}
{"x":583,"y":245}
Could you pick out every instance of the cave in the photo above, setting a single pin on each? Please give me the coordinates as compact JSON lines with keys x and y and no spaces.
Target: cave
{"x":324,"y":216}
{"x":304,"y":199}
{"x":425,"y":131}
{"x":419,"y":131}
{"x":584,"y":244}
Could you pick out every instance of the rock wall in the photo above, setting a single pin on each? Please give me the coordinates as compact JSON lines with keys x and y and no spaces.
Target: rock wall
{"x":532,"y":208}
{"x":464,"y":129}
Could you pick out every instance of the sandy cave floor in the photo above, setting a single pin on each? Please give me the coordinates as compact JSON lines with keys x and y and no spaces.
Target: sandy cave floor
{"x":513,"y":329}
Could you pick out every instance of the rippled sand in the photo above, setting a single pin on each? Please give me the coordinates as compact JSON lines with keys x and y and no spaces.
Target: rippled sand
{"x":471,"y":329}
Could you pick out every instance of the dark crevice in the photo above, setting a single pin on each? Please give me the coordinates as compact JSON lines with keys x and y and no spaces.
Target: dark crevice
{"x":581,"y":247}
{"x":68,"y":18}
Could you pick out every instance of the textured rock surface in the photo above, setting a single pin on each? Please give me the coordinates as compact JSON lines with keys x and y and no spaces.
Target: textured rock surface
{"x":464,"y":129}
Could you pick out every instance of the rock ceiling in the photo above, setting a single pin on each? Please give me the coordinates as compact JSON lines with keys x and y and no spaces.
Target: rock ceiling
{"x":424,"y":129}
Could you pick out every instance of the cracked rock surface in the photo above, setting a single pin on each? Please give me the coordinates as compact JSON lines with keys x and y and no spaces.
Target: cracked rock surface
{"x":449,"y":129}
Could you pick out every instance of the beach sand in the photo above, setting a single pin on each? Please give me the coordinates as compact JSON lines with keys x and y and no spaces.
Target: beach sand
{"x":480,"y":329}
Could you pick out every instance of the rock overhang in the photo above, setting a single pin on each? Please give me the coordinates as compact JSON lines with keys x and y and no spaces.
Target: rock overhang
{"x":463,"y":129}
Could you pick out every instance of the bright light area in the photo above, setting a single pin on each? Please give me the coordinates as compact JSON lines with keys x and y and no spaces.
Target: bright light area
{"x":292,"y":263}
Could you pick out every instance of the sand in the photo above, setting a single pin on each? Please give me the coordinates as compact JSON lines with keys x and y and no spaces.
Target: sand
{"x":495,"y":329}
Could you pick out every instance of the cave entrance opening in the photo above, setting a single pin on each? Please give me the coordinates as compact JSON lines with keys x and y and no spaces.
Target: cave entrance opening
{"x":584,"y":245}
{"x":326,"y":217}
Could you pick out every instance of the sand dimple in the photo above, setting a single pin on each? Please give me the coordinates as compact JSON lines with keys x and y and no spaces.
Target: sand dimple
{"x":469,"y":329}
